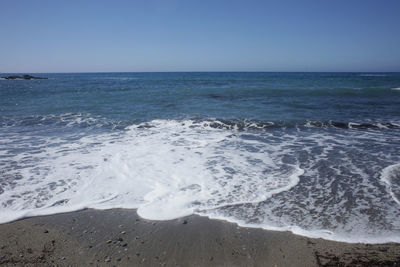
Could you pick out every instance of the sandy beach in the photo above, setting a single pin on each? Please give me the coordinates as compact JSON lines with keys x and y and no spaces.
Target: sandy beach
{"x":121,"y":238}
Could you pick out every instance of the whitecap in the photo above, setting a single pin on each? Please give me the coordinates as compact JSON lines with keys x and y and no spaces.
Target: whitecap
{"x":391,"y":176}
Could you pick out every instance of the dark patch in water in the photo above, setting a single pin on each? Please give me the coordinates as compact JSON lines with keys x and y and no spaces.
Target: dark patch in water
{"x":215,"y":96}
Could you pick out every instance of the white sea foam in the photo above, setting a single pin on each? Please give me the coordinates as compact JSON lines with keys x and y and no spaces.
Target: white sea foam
{"x":391,"y":176}
{"x":164,"y":172}
{"x":396,"y":89}
{"x":353,"y":124}
{"x":317,"y":233}
{"x":169,"y":169}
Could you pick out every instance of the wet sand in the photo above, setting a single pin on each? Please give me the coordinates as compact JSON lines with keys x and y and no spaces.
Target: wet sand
{"x":119,"y":237}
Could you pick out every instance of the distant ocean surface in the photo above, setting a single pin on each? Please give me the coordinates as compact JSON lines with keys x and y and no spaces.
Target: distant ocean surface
{"x":317,"y":154}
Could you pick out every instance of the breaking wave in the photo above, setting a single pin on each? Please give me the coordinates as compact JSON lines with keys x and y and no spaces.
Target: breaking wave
{"x":316,"y":182}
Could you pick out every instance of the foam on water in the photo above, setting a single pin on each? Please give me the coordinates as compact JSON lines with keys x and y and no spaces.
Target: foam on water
{"x":300,"y":180}
{"x":169,"y":170}
{"x":391,"y":176}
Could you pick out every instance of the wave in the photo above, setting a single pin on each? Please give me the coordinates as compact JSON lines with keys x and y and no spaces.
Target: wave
{"x":373,"y":75}
{"x":314,"y":183}
{"x":118,"y":78}
{"x":82,"y":120}
{"x":163,"y":172}
{"x":87,"y":120}
{"x":391,"y":176}
{"x":242,"y":125}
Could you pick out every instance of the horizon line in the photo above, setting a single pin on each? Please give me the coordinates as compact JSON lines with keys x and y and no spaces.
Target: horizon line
{"x":213,"y":71}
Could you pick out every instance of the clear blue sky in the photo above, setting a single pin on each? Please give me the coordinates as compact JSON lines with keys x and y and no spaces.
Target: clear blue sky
{"x":199,"y":35}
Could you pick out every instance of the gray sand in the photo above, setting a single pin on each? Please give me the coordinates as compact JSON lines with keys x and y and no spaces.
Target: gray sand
{"x":120,"y":238}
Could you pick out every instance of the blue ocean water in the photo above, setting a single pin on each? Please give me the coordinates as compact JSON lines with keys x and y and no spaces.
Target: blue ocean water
{"x":314,"y":153}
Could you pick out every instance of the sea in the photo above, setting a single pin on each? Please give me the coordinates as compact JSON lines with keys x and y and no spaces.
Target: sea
{"x":317,"y":154}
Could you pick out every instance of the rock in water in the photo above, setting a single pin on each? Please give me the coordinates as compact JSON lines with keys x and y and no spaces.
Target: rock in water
{"x":25,"y":77}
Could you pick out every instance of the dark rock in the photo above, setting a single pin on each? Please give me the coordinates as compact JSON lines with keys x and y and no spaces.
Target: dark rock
{"x":45,"y":231}
{"x":29,"y":77}
{"x":108,"y":259}
{"x":25,"y":77}
{"x":124,"y":244}
{"x":12,"y":77}
{"x":185,"y":222}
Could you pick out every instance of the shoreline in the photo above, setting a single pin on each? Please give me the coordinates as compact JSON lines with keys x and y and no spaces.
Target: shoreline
{"x":119,"y":237}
